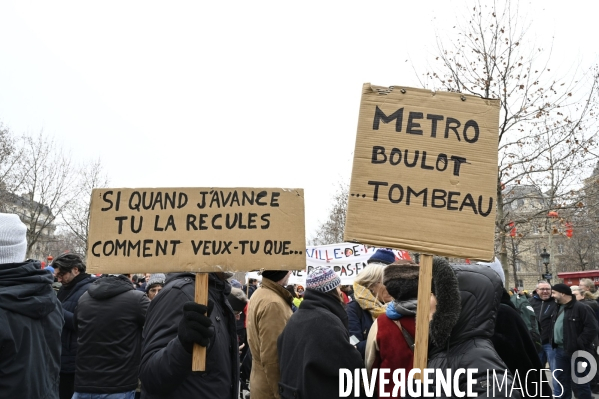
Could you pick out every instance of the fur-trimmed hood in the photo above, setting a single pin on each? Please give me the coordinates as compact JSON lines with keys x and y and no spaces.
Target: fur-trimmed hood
{"x":445,"y":288}
{"x":468,"y":297}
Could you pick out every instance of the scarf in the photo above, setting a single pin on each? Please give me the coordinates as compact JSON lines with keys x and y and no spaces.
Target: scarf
{"x":367,"y":301}
{"x":398,"y":309}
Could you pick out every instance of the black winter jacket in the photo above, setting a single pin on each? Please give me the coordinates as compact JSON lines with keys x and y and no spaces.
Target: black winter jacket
{"x":69,"y":335}
{"x":165,"y":365}
{"x":110,"y":317}
{"x":30,"y":325}
{"x":514,"y":345}
{"x":469,"y":343}
{"x":580,"y":327}
{"x":313,"y":347}
{"x":359,"y":323}
{"x":543,"y":311}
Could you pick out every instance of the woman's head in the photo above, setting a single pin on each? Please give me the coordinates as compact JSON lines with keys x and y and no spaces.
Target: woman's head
{"x":371,"y":277}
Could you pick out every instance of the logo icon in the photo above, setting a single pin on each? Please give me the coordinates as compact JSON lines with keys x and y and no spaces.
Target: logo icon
{"x":588,"y":367}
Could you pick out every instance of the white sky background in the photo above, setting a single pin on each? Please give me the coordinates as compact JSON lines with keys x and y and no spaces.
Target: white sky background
{"x":229,"y":93}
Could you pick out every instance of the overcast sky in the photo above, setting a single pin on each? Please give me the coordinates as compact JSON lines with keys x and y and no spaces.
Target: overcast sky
{"x":229,"y":94}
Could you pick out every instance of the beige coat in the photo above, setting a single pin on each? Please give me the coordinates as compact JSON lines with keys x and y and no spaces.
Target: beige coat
{"x":268,"y":313}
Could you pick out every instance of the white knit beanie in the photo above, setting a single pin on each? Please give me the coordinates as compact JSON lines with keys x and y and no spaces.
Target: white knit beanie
{"x":13,"y":239}
{"x":495,"y":265}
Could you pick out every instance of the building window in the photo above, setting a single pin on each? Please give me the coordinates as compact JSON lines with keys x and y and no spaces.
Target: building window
{"x":535,"y":229}
{"x":518,"y":265}
{"x":560,"y":249}
{"x":520,"y":285}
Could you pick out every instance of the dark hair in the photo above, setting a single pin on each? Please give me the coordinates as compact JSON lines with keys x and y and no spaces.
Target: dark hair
{"x":252,"y":281}
{"x":66,"y":262}
{"x":335,"y":294}
{"x":291,"y":291}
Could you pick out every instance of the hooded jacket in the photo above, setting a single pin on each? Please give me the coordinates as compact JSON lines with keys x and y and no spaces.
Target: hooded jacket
{"x":165,"y":370}
{"x":30,"y":325}
{"x":110,"y":317}
{"x":69,"y":335}
{"x":313,"y":347}
{"x":465,"y":341}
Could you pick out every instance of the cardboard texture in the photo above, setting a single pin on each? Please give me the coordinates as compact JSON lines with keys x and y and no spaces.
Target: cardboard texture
{"x":424,"y":175}
{"x":148,"y":230}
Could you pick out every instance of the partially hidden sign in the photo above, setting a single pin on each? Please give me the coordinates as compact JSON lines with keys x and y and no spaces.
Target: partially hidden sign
{"x":147,"y":230}
{"x":424,"y":175}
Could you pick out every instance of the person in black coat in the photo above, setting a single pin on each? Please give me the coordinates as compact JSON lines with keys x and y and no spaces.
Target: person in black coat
{"x":468,"y":298}
{"x":174,"y":322}
{"x":70,"y":271}
{"x":110,"y":317}
{"x":544,"y":306}
{"x":314,"y":344}
{"x":30,"y":319}
{"x":514,"y":345}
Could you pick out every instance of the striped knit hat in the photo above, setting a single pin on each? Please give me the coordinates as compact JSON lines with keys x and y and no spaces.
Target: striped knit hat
{"x":322,"y":279}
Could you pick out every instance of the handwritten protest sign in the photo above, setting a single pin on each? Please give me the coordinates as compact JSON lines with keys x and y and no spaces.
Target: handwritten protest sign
{"x":148,"y":230}
{"x":425,"y":172}
{"x":346,"y":259}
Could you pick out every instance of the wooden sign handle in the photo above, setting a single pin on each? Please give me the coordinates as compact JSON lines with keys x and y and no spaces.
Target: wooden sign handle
{"x":425,"y":276}
{"x":201,"y":296}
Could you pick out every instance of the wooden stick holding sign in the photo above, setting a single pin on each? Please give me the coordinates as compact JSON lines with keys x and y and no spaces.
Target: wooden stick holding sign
{"x":201,"y":296}
{"x":425,"y":276}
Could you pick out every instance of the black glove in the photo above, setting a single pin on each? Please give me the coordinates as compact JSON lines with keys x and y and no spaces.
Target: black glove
{"x":195,"y":325}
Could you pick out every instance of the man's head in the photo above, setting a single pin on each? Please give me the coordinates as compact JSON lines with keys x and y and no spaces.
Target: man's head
{"x":561,"y":293}
{"x":252,"y":281}
{"x":544,"y":290}
{"x":68,"y":266}
{"x":280,"y":277}
{"x":13,"y":239}
{"x":586,"y":284}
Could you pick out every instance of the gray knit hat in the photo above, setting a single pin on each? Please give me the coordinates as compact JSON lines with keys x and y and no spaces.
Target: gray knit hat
{"x":157,"y":278}
{"x":13,"y":239}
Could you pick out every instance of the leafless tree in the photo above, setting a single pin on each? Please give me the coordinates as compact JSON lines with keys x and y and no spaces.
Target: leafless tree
{"x":76,"y":215}
{"x":331,"y":231}
{"x":547,"y":129}
{"x":48,"y":183}
{"x":10,"y":154}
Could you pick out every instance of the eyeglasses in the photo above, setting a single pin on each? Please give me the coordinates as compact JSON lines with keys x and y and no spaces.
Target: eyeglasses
{"x":543,"y":289}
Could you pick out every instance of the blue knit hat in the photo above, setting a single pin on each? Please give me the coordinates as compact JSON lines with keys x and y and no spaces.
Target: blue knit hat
{"x":322,"y":279}
{"x":385,"y":256}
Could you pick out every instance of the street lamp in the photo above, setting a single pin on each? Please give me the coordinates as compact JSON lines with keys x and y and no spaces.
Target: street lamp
{"x":545,"y":259}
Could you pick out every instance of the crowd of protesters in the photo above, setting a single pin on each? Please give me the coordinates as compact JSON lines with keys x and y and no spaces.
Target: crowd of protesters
{"x":67,"y":334}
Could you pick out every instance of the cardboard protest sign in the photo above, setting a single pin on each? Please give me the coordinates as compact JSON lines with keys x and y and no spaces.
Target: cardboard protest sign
{"x":147,"y":230}
{"x":425,"y":172}
{"x":346,"y":259}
